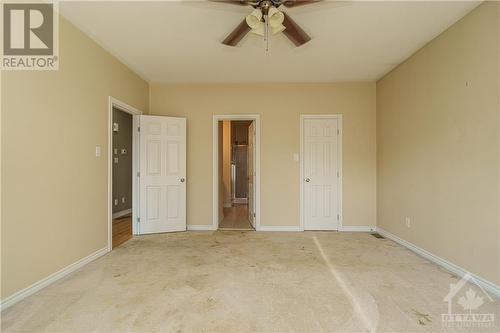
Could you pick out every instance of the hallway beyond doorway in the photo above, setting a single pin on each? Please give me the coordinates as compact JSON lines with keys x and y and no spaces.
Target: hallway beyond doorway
{"x":236,"y":218}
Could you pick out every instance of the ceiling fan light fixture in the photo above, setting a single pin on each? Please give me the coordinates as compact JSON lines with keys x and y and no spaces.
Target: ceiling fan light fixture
{"x":254,"y":19}
{"x":275,"y":18}
{"x":259,"y":30}
{"x":278,"y":29}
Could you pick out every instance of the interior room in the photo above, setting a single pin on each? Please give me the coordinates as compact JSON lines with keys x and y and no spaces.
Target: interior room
{"x":250,"y":165}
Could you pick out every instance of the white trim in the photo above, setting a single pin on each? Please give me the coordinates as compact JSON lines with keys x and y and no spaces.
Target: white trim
{"x":279,"y":228}
{"x":201,"y":227}
{"x":356,"y":228}
{"x":301,"y":159}
{"x":487,"y":285}
{"x":215,"y":165}
{"x":113,"y":102}
{"x":121,"y":213}
{"x":22,"y":294}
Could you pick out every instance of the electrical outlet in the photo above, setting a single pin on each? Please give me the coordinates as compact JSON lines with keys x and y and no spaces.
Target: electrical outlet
{"x":408,"y":222}
{"x":116,"y":202}
{"x":123,"y":199}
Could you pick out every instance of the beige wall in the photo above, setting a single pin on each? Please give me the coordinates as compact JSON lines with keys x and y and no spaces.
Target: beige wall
{"x":438,"y":148}
{"x":280,"y":106}
{"x":54,"y":189}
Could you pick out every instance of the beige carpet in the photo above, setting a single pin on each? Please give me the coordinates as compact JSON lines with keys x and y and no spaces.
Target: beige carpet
{"x":246,"y":281}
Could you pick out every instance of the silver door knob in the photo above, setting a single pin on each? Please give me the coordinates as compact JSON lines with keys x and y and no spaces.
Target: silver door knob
{"x":182,"y":180}
{"x":307,"y":180}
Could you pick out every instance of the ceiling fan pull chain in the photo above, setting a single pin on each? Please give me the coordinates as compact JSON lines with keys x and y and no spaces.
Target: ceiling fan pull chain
{"x":266,"y":22}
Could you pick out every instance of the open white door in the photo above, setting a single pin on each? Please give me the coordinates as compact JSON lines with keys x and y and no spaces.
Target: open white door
{"x":251,"y":173}
{"x":162,"y":178}
{"x":321,"y":173}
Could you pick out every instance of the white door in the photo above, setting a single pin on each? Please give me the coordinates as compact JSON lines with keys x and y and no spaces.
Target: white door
{"x":251,"y":173}
{"x":321,"y":173}
{"x":162,"y":177}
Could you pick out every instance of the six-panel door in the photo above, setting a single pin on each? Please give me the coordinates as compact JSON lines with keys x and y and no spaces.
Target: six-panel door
{"x":162,"y":174}
{"x":321,"y":174}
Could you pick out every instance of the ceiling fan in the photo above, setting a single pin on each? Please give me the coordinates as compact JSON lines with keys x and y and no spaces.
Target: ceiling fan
{"x":267,"y":18}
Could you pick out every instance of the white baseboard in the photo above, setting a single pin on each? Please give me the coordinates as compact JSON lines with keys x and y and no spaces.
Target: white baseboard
{"x":485,"y":284}
{"x":279,"y":228}
{"x":122,"y":213}
{"x":201,"y":227}
{"x":14,"y":298}
{"x":348,"y":228}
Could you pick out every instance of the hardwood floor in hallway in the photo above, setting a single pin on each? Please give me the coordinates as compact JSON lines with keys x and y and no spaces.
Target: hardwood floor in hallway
{"x":236,"y":218}
{"x":122,"y":230}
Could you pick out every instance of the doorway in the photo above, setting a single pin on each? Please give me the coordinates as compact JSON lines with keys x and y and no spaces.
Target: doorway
{"x":236,"y":176}
{"x":122,"y":169}
{"x":321,"y":172}
{"x":122,"y":177}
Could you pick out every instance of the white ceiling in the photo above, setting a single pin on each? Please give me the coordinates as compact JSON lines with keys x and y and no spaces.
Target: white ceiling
{"x":179,"y":41}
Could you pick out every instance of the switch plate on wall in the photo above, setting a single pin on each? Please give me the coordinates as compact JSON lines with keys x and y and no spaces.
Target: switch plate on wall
{"x":97,"y":151}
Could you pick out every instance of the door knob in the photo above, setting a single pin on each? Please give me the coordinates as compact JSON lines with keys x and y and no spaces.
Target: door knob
{"x":182,"y":180}
{"x":307,"y":180}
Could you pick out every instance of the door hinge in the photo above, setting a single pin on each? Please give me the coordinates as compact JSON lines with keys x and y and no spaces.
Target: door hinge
{"x":338,"y":132}
{"x":138,"y":128}
{"x":254,"y":215}
{"x":338,"y":217}
{"x":138,"y":174}
{"x":138,"y":220}
{"x":338,"y":174}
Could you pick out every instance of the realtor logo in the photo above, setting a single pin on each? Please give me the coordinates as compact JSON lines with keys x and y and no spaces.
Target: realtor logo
{"x":30,"y":36}
{"x":470,"y":301}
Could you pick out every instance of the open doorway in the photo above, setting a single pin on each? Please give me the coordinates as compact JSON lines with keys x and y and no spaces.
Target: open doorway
{"x":122,"y":177}
{"x":236,"y":176}
{"x":122,"y":172}
{"x":236,"y":162}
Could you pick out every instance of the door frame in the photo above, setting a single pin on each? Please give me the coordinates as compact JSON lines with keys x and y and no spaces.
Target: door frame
{"x":304,"y":117}
{"x":122,"y":106}
{"x":215,"y":165}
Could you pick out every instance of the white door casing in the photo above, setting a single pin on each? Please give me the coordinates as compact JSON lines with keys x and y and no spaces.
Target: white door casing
{"x":321,"y":173}
{"x":162,"y":180}
{"x":251,"y":173}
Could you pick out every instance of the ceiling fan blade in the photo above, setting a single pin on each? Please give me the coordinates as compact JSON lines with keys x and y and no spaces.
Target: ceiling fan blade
{"x":237,"y":34}
{"x":296,"y":3}
{"x":294,"y":32}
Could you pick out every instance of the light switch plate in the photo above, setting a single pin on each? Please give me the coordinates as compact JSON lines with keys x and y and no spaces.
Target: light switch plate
{"x":296,"y":157}
{"x":97,"y":151}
